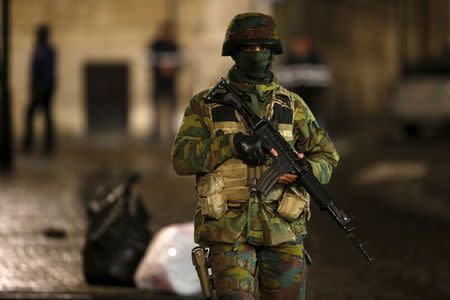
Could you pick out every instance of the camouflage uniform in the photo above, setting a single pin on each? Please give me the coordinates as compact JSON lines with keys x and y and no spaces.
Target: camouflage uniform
{"x":250,"y":235}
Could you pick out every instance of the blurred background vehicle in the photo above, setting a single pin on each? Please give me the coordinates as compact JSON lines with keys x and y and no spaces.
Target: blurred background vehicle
{"x":422,"y":100}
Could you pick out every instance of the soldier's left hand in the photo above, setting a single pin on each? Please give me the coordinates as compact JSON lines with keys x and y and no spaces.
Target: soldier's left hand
{"x":288,"y":177}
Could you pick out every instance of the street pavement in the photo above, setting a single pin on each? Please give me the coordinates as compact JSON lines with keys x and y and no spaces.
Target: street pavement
{"x":42,"y":213}
{"x":399,"y":195}
{"x":398,"y":192}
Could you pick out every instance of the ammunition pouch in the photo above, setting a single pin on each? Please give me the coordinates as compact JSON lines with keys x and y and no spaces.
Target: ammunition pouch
{"x":293,"y":203}
{"x":211,"y":197}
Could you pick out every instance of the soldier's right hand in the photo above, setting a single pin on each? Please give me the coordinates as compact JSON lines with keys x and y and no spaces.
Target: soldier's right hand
{"x":249,"y":148}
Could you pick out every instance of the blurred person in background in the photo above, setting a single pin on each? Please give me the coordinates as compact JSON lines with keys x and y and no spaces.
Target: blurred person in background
{"x":244,"y":230}
{"x":165,"y":60}
{"x":42,"y":85}
{"x":307,"y":75}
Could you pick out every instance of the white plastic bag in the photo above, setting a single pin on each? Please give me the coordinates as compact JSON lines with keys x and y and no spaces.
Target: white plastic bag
{"x":167,"y":264}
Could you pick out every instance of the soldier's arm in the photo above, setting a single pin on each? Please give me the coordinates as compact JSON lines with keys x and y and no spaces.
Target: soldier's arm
{"x":314,"y":142}
{"x":194,"y":150}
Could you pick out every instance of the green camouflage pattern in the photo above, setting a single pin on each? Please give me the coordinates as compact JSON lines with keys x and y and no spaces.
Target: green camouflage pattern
{"x":313,"y":141}
{"x":279,"y":272}
{"x":196,"y":151}
{"x":251,"y":29}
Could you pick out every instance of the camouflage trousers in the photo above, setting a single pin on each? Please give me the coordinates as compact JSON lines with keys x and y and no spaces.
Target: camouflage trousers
{"x":245,"y":271}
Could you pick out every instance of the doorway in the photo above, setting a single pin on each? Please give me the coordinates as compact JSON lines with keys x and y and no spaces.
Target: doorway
{"x":107,"y":97}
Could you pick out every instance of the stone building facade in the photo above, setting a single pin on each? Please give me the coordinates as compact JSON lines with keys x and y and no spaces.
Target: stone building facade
{"x":117,"y":32}
{"x":366,"y":44}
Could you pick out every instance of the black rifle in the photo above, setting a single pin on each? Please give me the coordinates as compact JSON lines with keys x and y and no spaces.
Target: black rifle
{"x":287,"y":160}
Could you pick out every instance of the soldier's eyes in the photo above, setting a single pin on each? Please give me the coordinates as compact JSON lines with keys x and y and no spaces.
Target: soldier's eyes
{"x":254,"y":48}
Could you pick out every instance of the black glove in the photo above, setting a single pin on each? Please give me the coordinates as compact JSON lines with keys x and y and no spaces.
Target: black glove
{"x":250,"y":149}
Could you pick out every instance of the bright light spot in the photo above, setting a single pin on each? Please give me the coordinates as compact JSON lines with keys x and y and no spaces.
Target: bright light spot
{"x":172,"y":251}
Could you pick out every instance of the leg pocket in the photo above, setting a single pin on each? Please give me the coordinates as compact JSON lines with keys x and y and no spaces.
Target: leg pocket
{"x":233,"y":268}
{"x":281,"y":271}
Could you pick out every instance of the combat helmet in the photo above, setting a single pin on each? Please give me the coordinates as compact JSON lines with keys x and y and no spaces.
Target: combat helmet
{"x":251,"y":29}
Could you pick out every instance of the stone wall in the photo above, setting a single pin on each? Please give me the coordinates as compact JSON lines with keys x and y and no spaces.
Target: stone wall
{"x":117,"y":31}
{"x":366,"y":43}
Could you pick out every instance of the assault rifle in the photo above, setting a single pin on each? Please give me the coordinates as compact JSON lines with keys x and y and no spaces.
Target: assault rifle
{"x":287,"y":160}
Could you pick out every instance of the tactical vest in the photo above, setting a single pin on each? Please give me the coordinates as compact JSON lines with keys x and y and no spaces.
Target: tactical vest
{"x":229,"y":186}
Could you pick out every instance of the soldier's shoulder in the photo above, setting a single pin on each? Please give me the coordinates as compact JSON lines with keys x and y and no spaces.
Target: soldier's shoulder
{"x":289,"y":97}
{"x":301,"y":109}
{"x":198,"y":104}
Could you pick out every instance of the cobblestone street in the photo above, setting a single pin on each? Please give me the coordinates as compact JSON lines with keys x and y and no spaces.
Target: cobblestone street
{"x":404,"y":219}
{"x":37,"y":198}
{"x":42,"y":218}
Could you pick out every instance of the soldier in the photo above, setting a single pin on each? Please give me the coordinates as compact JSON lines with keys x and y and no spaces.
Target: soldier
{"x":254,"y":240}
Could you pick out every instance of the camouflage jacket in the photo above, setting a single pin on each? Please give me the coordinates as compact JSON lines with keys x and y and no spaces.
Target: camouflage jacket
{"x":197,"y":150}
